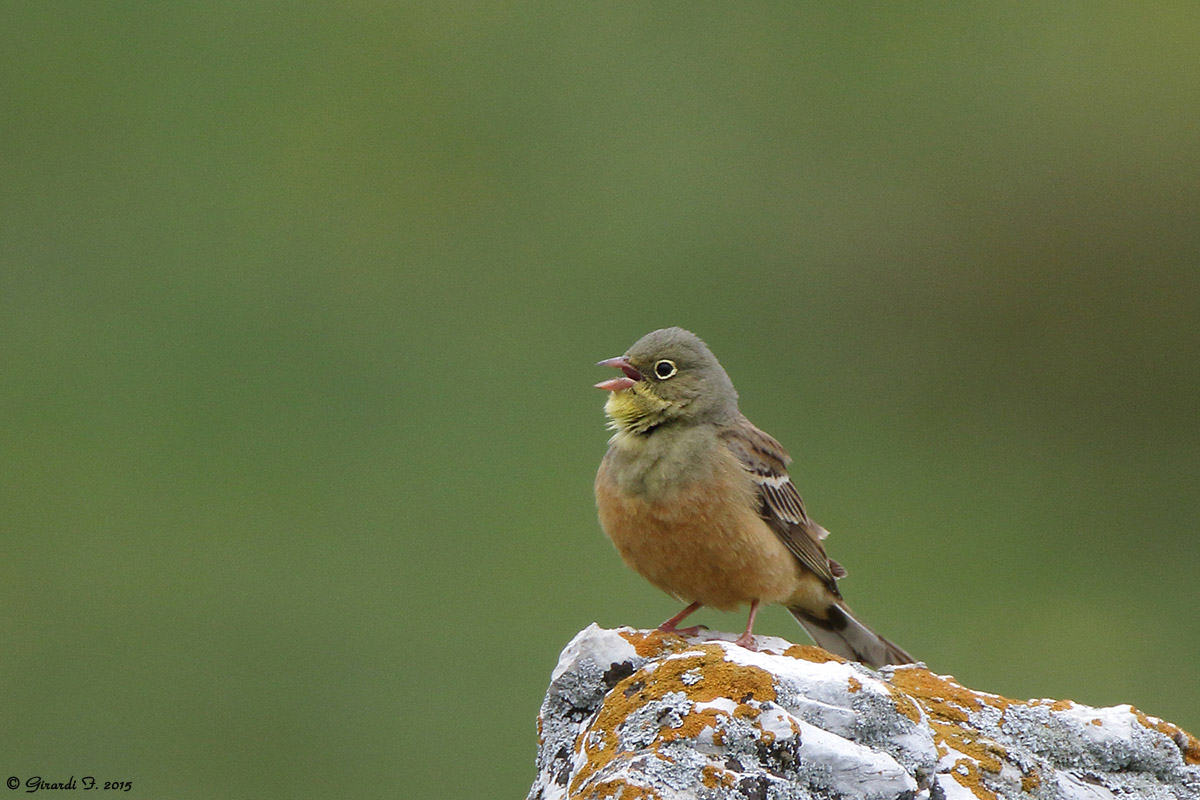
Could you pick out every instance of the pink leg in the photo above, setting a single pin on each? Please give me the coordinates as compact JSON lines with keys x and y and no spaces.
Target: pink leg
{"x":746,"y":640}
{"x":669,"y":625}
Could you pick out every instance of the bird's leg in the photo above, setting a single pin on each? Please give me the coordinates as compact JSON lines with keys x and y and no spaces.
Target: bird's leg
{"x":669,"y":625}
{"x":746,"y":640}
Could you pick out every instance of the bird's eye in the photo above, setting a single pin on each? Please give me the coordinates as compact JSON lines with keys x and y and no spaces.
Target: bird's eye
{"x":664,"y":368}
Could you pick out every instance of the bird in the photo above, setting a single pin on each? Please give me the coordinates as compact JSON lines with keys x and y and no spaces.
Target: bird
{"x":698,"y":501}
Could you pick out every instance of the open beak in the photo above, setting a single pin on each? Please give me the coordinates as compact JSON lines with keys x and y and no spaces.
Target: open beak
{"x":631,"y":376}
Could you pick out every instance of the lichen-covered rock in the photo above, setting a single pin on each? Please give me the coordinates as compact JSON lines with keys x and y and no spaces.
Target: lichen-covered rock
{"x":635,"y":714}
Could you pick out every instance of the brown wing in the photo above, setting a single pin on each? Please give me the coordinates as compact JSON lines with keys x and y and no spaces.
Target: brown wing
{"x":779,"y":502}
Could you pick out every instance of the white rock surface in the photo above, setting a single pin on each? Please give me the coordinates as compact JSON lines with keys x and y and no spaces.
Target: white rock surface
{"x":640,"y":714}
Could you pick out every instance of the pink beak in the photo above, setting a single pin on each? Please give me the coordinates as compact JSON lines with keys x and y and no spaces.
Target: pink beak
{"x":631,"y":377}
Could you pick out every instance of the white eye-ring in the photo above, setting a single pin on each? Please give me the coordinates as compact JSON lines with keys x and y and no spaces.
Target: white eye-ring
{"x":665,"y":368}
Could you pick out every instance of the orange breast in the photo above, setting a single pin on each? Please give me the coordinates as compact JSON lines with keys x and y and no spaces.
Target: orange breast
{"x":702,"y":542}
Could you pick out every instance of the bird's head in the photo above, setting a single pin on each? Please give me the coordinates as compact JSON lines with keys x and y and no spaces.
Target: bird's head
{"x":668,"y":376}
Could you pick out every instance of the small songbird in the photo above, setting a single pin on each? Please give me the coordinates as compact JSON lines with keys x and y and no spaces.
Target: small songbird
{"x":698,"y":501}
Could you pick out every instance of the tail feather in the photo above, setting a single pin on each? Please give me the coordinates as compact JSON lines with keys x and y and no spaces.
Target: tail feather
{"x":841,"y":634}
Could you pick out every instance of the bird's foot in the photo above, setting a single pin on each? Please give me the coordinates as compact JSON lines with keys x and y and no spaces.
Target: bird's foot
{"x":669,"y":625}
{"x":694,"y":630}
{"x":746,"y":640}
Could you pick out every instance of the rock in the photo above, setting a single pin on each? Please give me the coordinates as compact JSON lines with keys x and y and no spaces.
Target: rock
{"x":634,"y":714}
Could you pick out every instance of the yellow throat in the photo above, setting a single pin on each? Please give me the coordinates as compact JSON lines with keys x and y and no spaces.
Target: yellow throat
{"x":635,"y":410}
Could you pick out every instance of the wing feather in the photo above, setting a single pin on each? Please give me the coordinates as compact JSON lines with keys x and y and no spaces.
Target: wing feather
{"x":780,"y":504}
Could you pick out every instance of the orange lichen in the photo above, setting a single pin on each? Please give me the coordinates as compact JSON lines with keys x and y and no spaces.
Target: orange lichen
{"x":694,"y":724}
{"x":745,"y":711}
{"x":1187,"y":743}
{"x":906,"y":706}
{"x":807,"y":652}
{"x":702,"y":674}
{"x":1030,"y":781}
{"x":967,"y":773}
{"x":648,"y":644}
{"x":948,"y":704}
{"x":620,"y":790}
{"x":964,"y":740}
{"x":653,"y":682}
{"x":715,"y":778}
{"x":942,"y":698}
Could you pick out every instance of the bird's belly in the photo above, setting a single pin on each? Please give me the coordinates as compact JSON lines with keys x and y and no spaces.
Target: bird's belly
{"x":700,"y":545}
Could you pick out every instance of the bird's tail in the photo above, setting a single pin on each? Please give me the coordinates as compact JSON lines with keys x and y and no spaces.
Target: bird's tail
{"x":841,"y":634}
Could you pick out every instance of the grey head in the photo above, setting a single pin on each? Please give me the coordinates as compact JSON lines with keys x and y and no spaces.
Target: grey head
{"x":679,"y":377}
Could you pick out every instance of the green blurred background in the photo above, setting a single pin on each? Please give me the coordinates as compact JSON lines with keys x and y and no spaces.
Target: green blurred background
{"x":300,"y":306}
